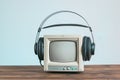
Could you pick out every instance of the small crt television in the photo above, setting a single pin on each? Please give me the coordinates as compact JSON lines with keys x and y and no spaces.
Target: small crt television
{"x":62,"y":53}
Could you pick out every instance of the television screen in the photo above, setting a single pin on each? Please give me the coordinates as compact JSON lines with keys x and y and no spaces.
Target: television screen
{"x":63,"y":51}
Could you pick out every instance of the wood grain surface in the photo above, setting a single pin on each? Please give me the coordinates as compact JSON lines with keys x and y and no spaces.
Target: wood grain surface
{"x":92,"y":72}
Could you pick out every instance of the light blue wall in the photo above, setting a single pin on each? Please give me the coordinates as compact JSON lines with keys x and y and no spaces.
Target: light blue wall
{"x":19,"y":21}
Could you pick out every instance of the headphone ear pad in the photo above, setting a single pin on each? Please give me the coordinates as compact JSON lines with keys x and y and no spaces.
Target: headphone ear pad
{"x":86,"y":48}
{"x":41,"y":48}
{"x":35,"y":48}
{"x":93,"y":48}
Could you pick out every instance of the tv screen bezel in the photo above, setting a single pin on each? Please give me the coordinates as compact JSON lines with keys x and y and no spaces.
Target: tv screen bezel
{"x":67,"y":55}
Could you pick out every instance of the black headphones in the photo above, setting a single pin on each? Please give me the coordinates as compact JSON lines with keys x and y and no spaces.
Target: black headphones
{"x":88,"y":47}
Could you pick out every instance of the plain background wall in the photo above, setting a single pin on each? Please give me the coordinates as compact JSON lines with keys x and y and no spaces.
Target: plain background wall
{"x":20,"y":19}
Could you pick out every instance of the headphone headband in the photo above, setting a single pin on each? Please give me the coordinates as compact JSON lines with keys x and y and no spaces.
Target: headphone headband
{"x":63,"y":11}
{"x":58,"y":25}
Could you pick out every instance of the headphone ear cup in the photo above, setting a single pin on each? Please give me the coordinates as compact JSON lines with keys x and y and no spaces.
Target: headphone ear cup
{"x":41,"y":48}
{"x":86,"y":48}
{"x":93,"y":48}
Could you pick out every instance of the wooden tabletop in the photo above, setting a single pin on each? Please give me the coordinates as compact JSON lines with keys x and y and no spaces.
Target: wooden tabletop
{"x":92,"y":72}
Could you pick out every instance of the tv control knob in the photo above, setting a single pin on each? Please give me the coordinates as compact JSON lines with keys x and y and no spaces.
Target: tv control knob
{"x":68,"y":68}
{"x":64,"y":68}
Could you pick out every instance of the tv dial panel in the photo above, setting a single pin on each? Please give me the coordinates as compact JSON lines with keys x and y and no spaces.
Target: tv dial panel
{"x":63,"y":68}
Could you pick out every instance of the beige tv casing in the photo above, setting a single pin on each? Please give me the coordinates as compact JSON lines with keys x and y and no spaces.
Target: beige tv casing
{"x":75,"y":66}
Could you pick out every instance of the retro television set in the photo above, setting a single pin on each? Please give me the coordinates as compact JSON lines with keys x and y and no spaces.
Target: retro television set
{"x":64,"y":53}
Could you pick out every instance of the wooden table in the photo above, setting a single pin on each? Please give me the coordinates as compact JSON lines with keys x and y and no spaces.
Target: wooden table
{"x":92,"y":72}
